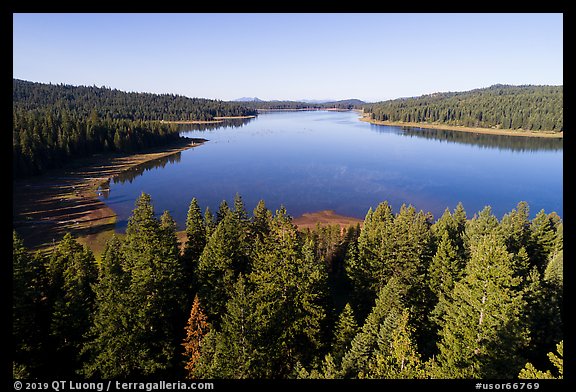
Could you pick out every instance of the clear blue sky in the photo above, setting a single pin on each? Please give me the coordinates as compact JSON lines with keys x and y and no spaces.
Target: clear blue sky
{"x":289,"y":56}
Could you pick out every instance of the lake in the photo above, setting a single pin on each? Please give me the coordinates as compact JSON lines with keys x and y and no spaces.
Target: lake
{"x":324,"y":160}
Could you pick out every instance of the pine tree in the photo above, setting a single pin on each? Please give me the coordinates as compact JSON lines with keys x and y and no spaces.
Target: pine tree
{"x":483,"y":332}
{"x":515,"y":228}
{"x":147,"y":301}
{"x":261,"y":221}
{"x":529,"y":372}
{"x":365,"y":267}
{"x":195,"y":233}
{"x":223,"y":258}
{"x":29,"y":311}
{"x":223,"y":210}
{"x":444,"y":271}
{"x":396,"y":355}
{"x":481,"y":224}
{"x":542,"y":240}
{"x":344,"y":332}
{"x":111,"y":348}
{"x":290,"y":295}
{"x":71,"y":274}
{"x":387,"y":308}
{"x":554,"y":272}
{"x":156,"y":286}
{"x":209,"y":223}
{"x":196,"y":329}
{"x":232,"y":352}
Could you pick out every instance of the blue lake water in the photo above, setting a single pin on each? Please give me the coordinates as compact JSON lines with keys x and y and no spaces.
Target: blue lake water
{"x":320,"y":160}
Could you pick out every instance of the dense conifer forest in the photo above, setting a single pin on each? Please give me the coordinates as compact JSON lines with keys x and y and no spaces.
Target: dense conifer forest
{"x":247,"y":295}
{"x":535,"y":108}
{"x":345,"y":104}
{"x":53,"y":124}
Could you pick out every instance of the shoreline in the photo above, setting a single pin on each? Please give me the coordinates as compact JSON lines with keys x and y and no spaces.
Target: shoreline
{"x":66,"y":200}
{"x":459,"y":128}
{"x":309,"y":220}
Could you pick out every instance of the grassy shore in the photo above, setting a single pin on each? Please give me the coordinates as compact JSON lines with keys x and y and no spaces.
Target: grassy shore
{"x":66,"y":200}
{"x":490,"y":131}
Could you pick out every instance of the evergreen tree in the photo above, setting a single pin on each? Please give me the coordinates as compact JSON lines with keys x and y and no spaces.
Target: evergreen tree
{"x":481,"y":224}
{"x":380,"y":322}
{"x":209,"y":223}
{"x":195,"y":233}
{"x":290,"y":295}
{"x":529,"y":372}
{"x":71,"y":274}
{"x":396,"y":355}
{"x":111,"y":348}
{"x":223,"y":210}
{"x":261,"y":221}
{"x":542,"y":239}
{"x":156,"y":287}
{"x":147,"y":302}
{"x":232,"y":352}
{"x":444,"y":271}
{"x":29,"y":311}
{"x":515,"y":228}
{"x":344,"y":332}
{"x":483,"y":332}
{"x":223,"y":258}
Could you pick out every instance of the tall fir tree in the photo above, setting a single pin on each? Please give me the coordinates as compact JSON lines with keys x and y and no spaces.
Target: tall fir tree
{"x":156,"y":287}
{"x":111,"y":349}
{"x":29,"y":310}
{"x":290,"y":296}
{"x":381,"y":321}
{"x":71,"y":273}
{"x":344,"y":331}
{"x":483,"y":333}
{"x":396,"y":356}
{"x":195,"y":234}
{"x":225,"y":255}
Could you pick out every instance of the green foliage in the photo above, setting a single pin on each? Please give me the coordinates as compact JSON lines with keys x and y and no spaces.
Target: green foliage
{"x":29,"y":308}
{"x":111,"y":339}
{"x":290,"y":290}
{"x":397,"y":355}
{"x":455,"y":298}
{"x":483,"y":332}
{"x":54,"y":124}
{"x":71,"y":274}
{"x":530,"y":372}
{"x":380,"y":322}
{"x":344,"y":332}
{"x":535,"y":108}
{"x":136,"y":333}
{"x":196,"y":237}
{"x":223,"y":258}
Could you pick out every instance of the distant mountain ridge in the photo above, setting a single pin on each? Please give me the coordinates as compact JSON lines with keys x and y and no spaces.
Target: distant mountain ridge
{"x":248,"y":99}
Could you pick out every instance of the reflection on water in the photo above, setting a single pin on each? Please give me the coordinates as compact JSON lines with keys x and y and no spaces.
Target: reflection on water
{"x":227,"y":123}
{"x":501,"y":142}
{"x":313,"y":161}
{"x":130,"y":174}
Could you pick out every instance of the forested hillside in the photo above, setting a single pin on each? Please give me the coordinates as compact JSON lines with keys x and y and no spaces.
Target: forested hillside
{"x":249,"y":296}
{"x":345,"y":104}
{"x":535,"y":108}
{"x":53,"y":124}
